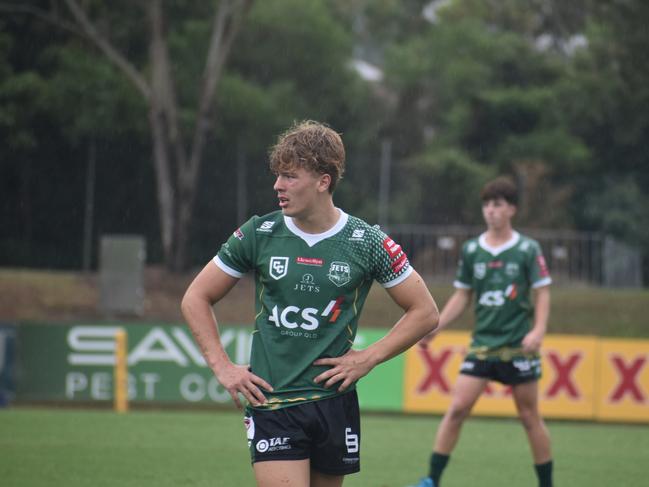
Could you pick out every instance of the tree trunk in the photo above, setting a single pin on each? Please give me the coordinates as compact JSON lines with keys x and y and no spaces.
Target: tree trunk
{"x":176,"y":169}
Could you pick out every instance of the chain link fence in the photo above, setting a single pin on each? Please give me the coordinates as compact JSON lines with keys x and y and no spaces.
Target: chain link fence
{"x":574,"y":258}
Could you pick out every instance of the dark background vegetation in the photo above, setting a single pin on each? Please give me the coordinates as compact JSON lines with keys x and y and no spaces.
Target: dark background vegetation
{"x":554,"y":93}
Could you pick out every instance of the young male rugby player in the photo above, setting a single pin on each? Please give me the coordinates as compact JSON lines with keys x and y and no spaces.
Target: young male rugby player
{"x":501,"y":267}
{"x":313,"y":266}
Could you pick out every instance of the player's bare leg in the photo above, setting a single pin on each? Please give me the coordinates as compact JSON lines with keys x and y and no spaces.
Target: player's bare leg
{"x":465,"y":394}
{"x":319,"y":479}
{"x":283,"y":473}
{"x":293,"y":473}
{"x":527,"y":404}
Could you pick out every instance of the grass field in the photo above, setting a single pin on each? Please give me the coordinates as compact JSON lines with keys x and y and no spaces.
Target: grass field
{"x":79,"y":448}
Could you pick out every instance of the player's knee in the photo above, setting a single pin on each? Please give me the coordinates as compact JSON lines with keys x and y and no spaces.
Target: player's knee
{"x":529,"y":418}
{"x":458,"y":412}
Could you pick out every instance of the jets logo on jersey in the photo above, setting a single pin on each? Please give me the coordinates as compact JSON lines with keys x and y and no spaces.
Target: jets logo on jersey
{"x":511,"y":269}
{"x":340,"y":273}
{"x":479,"y":270}
{"x":278,"y":267}
{"x":307,"y":284}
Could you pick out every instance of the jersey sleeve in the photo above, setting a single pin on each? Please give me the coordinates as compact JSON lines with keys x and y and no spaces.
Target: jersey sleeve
{"x":236,"y":255}
{"x":464,"y":273}
{"x":539,"y":272}
{"x":390,"y":264}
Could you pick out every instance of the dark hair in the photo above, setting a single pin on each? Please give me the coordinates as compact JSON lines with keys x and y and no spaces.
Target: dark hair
{"x":501,"y":187}
{"x":313,"y":146}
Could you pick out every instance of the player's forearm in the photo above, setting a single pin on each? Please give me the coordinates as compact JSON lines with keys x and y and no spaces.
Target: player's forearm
{"x":202,"y":323}
{"x":455,"y":306}
{"x":541,"y":310}
{"x":412,"y":327}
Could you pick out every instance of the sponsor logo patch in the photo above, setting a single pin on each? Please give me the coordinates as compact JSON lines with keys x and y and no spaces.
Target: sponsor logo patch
{"x":391,"y":247}
{"x":543,"y":267}
{"x":267,"y":226}
{"x":273,"y":444}
{"x":358,"y":234}
{"x":397,"y":255}
{"x":238,"y":234}
{"x":226,"y":249}
{"x":250,"y":428}
{"x":310,"y":261}
{"x":399,"y":264}
{"x":512,"y":291}
{"x":467,"y":366}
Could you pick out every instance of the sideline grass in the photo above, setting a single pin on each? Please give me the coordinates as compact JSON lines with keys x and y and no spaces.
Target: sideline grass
{"x":48,"y":296}
{"x":574,"y":310}
{"x":79,"y":448}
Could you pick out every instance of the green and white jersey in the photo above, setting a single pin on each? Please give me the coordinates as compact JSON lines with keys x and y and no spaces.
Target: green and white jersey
{"x":501,"y":278}
{"x":310,"y":289}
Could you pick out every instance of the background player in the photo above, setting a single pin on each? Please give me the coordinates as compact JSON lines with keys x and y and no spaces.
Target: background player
{"x":313,"y":266}
{"x":500,"y":266}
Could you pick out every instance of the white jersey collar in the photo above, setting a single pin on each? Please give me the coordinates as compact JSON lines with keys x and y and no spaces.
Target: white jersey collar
{"x":482,"y":240}
{"x":313,"y":238}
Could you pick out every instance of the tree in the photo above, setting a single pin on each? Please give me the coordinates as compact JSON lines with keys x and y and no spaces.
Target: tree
{"x":178,"y":133}
{"x":477,"y":97}
{"x":608,"y":101}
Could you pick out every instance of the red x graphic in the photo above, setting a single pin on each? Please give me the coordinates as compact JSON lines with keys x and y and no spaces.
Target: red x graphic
{"x":434,"y":368}
{"x":628,"y":377}
{"x":563,"y":375}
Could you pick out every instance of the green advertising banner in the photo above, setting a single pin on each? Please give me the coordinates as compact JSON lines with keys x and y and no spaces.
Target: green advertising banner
{"x":382,"y":388}
{"x":75,"y":363}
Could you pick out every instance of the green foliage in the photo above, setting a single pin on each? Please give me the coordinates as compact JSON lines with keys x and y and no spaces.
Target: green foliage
{"x":485,"y":92}
{"x":620,"y":209}
{"x":444,"y":184}
{"x":89,"y":97}
{"x":299,"y":44}
{"x":19,"y":102}
{"x":554,"y":93}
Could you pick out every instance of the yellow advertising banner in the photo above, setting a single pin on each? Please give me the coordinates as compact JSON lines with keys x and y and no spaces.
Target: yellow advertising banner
{"x":567,"y":387}
{"x":566,"y":390}
{"x":623,"y":380}
{"x":430,"y":373}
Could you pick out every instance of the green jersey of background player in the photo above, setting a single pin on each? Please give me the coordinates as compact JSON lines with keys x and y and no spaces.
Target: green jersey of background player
{"x":313,"y":266}
{"x":502,"y":268}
